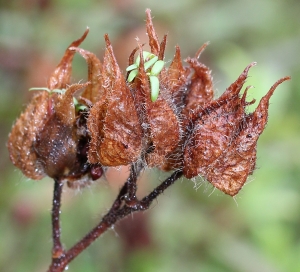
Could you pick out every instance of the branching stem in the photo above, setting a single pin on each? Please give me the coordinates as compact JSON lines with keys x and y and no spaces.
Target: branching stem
{"x":126,"y":203}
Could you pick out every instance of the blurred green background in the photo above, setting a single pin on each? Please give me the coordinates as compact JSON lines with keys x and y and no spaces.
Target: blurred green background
{"x":187,"y":229}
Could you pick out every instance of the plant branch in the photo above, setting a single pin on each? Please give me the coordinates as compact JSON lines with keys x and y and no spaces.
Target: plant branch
{"x":57,"y":250}
{"x":126,"y":203}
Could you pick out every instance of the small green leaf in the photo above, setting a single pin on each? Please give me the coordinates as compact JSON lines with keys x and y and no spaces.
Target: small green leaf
{"x":154,"y":83}
{"x":157,"y":67}
{"x":150,"y":62}
{"x":78,"y":106}
{"x":132,"y":75}
{"x":131,"y":67}
{"x":40,"y":89}
{"x":60,"y":91}
{"x":146,"y":55}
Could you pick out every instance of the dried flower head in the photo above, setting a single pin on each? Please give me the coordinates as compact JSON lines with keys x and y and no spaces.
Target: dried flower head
{"x":48,"y":138}
{"x":165,"y":117}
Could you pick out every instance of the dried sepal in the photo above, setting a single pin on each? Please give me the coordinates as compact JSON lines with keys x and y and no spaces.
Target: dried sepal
{"x":64,"y":104}
{"x":94,"y":91}
{"x":55,"y":147}
{"x":23,"y":136}
{"x":164,"y":132}
{"x":153,"y":39}
{"x":201,"y":86}
{"x":177,"y":74}
{"x":61,"y":75}
{"x":116,"y":134}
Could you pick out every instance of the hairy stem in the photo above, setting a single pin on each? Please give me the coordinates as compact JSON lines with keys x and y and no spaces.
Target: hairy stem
{"x":57,"y":250}
{"x":126,"y":203}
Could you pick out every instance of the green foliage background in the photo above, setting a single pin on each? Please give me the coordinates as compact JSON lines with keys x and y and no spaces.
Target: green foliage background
{"x":188,"y":229}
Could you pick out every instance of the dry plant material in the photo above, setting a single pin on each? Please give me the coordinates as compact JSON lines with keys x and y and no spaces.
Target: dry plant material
{"x":48,"y":138}
{"x":166,"y":119}
{"x":185,"y":128}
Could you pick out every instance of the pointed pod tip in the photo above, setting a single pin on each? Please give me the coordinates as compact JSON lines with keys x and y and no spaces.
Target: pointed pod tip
{"x":275,"y":85}
{"x":148,"y":12}
{"x":107,"y":41}
{"x":254,"y":63}
{"x":87,"y":30}
{"x":201,"y":49}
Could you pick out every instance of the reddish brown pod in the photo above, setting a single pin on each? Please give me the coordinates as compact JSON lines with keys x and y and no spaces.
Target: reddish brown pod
{"x":116,"y":134}
{"x":162,"y":125}
{"x":222,"y":145}
{"x":164,"y":117}
{"x":45,"y":139}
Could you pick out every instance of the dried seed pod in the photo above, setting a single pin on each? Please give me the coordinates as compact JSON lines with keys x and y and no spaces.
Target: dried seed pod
{"x":222,"y":147}
{"x":23,"y":136}
{"x":200,"y":88}
{"x":45,"y":140}
{"x":56,"y":144}
{"x":162,"y":125}
{"x":190,"y":88}
{"x":116,"y":134}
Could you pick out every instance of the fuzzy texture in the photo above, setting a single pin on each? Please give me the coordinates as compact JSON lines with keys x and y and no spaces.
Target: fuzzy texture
{"x":185,"y":128}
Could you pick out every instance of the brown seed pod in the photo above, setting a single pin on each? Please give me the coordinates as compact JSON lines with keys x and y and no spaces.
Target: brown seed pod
{"x":44,"y":139}
{"x":200,"y":88}
{"x":191,"y":89}
{"x":163,"y":125}
{"x":23,"y":136}
{"x":56,"y":144}
{"x":222,"y":146}
{"x":116,"y":134}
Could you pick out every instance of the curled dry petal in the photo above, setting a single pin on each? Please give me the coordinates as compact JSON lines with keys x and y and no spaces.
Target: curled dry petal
{"x":61,"y":75}
{"x":94,"y":91}
{"x":116,"y":133}
{"x":222,"y":147}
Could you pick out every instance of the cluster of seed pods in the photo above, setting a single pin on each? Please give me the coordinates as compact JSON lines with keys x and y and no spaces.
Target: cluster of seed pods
{"x":164,"y":117}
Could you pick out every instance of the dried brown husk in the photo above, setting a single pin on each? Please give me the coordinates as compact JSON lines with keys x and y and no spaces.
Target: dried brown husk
{"x":116,"y":134}
{"x":222,"y":146}
{"x":185,"y":128}
{"x":159,"y":118}
{"x":192,"y":89}
{"x":23,"y":136}
{"x":43,"y":140}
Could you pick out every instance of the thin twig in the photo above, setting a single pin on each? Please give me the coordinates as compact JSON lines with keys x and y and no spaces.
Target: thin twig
{"x":120,"y":209}
{"x":57,"y":250}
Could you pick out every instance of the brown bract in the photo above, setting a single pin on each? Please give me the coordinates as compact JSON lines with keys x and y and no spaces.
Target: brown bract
{"x":185,"y":128}
{"x":44,"y":139}
{"x":222,"y":145}
{"x":24,"y":133}
{"x":116,"y":134}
